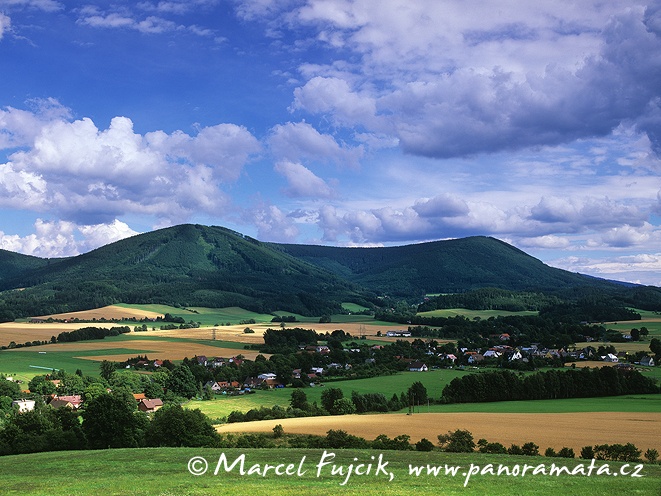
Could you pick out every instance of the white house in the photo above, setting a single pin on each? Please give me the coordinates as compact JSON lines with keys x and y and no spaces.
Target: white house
{"x":647,"y":361}
{"x":268,"y":375}
{"x":610,"y":358}
{"x":418,"y":367}
{"x":24,"y":405}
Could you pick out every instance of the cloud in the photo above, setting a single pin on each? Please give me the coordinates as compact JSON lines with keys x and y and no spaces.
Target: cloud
{"x":626,"y":236}
{"x":59,"y":238}
{"x":125,"y":18}
{"x":45,"y":5}
{"x":643,"y":268}
{"x":92,"y":176}
{"x":149,"y":25}
{"x":5,"y":24}
{"x":576,"y":214}
{"x":333,"y":96}
{"x":443,"y":205}
{"x":301,"y":141}
{"x":272,"y":224}
{"x":302,"y":181}
{"x":506,"y":77}
{"x":549,"y":241}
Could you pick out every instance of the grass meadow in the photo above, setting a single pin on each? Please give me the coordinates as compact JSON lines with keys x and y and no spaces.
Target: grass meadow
{"x":164,"y":471}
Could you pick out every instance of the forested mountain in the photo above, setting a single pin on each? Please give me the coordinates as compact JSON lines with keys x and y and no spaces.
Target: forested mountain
{"x":194,"y":265}
{"x":441,"y":267}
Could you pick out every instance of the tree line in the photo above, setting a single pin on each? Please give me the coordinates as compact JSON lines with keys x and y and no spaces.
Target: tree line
{"x":553,"y":384}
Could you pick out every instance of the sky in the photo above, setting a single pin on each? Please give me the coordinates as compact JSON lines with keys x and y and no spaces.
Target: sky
{"x":337,"y":122}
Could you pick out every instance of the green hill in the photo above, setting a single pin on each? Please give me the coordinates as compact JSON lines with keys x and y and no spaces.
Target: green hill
{"x":187,"y":265}
{"x":194,"y":265}
{"x":441,"y":267}
{"x":14,"y":264}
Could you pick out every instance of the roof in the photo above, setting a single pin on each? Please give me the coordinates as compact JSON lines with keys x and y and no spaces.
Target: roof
{"x":151,"y":404}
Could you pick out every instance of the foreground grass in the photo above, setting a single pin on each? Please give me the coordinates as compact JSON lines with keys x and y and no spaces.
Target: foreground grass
{"x":165,"y":471}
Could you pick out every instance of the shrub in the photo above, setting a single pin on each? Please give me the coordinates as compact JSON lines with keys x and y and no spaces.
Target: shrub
{"x":515,"y":449}
{"x":424,"y":445}
{"x":651,"y":455}
{"x":587,"y":453}
{"x":530,"y":449}
{"x":459,"y":441}
{"x":550,"y":452}
{"x":566,"y":453}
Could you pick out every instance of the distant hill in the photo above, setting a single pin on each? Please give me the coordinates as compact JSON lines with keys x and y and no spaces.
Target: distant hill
{"x":14,"y":264}
{"x":441,"y":267}
{"x":194,"y":265}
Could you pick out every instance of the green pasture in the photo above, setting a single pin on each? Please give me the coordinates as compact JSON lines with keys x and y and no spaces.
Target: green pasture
{"x":28,"y":362}
{"x":164,"y":471}
{"x":646,"y":403}
{"x":353,"y":307}
{"x":434,"y":381}
{"x":224,"y":405}
{"x":471,"y":314}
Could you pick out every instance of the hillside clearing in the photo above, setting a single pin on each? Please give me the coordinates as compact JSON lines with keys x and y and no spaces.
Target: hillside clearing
{"x":556,"y":430}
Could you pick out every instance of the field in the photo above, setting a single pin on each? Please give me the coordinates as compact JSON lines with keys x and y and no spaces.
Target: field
{"x":164,"y":471}
{"x":555,"y":430}
{"x":24,"y":363}
{"x":549,"y":423}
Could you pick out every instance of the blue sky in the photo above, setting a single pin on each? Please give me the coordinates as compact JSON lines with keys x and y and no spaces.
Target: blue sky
{"x":350,"y":123}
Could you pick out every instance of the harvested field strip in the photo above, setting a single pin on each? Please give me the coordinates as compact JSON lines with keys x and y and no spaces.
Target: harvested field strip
{"x":170,"y":349}
{"x":555,"y":430}
{"x":109,"y":312}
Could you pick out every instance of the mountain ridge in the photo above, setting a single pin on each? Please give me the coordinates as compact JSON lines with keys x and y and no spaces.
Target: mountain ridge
{"x":195,"y":265}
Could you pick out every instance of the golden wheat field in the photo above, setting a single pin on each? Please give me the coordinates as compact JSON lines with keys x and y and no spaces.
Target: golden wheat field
{"x":555,"y":430}
{"x":21,"y":332}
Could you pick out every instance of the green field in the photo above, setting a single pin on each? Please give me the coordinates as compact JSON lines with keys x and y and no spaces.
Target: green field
{"x":434,"y":381}
{"x":471,"y":314}
{"x":164,"y":471}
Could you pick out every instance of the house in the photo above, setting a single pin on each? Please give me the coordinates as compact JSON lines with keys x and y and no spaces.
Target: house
{"x":218,"y":362}
{"x":224,"y":385}
{"x":476,"y":358}
{"x":647,"y":361}
{"x":139,"y":396}
{"x":149,"y":406}
{"x":610,"y":358}
{"x":417,"y":367}
{"x":398,"y":334}
{"x":504,"y":337}
{"x":74,"y":401}
{"x":158,"y":363}
{"x":24,"y":405}
{"x":58,"y":403}
{"x":514,"y":355}
{"x":491,"y":354}
{"x":215,"y":386}
{"x":201,"y":360}
{"x":268,"y":375}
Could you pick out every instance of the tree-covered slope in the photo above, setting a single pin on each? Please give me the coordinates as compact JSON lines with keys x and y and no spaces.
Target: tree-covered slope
{"x":187,"y":265}
{"x":441,"y":267}
{"x":193,"y":265}
{"x":14,"y":264}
